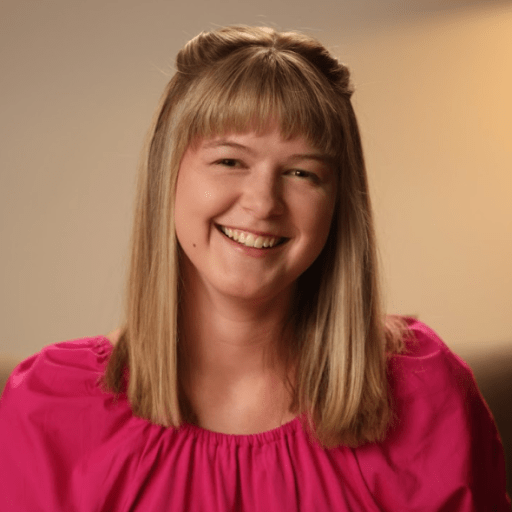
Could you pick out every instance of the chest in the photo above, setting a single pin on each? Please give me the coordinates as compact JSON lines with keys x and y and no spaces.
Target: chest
{"x":205,"y":473}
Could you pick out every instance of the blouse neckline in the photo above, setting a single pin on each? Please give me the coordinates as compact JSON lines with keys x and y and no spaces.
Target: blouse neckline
{"x":210,"y":436}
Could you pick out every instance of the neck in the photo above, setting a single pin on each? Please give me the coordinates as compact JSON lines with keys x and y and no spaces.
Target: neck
{"x":235,"y":359}
{"x":225,"y":334}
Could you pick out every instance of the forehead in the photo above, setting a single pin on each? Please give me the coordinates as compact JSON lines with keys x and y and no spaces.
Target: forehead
{"x":260,"y":144}
{"x":269,"y":133}
{"x":272,"y":133}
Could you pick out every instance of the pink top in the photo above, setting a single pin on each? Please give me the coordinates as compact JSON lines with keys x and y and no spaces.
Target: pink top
{"x":65,"y":445}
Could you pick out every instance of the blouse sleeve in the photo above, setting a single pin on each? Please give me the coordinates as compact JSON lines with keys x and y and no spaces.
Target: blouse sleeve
{"x":46,"y":425}
{"x":443,"y":451}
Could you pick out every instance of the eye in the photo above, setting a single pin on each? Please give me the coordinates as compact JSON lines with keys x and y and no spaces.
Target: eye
{"x":229,"y":162}
{"x":305,"y":175}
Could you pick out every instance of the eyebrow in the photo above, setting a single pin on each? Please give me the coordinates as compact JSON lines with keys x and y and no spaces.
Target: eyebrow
{"x":228,"y":143}
{"x":318,"y":157}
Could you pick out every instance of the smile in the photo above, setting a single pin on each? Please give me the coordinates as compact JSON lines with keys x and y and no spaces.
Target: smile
{"x":252,"y":240}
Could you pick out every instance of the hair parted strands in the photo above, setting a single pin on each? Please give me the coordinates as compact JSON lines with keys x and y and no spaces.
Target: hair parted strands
{"x":240,"y":79}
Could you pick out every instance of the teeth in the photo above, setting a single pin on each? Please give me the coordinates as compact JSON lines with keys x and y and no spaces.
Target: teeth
{"x":248,"y":239}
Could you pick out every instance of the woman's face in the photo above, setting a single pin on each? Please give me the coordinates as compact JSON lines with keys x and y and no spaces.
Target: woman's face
{"x":252,"y":212}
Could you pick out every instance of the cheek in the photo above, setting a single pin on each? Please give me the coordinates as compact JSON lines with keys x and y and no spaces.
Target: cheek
{"x":198,"y":201}
{"x":185,"y":204}
{"x":318,"y":220}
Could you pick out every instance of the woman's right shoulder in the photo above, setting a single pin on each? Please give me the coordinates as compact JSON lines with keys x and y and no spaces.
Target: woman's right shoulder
{"x":69,"y":367}
{"x":113,"y":336}
{"x":55,"y":412}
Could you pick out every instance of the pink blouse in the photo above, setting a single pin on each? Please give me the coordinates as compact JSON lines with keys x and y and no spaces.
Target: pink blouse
{"x":66,"y":445}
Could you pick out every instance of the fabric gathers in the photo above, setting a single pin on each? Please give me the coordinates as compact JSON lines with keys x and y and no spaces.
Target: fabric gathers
{"x":68,"y":445}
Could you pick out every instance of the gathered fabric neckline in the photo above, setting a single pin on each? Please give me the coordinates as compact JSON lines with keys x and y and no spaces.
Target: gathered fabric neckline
{"x":210,"y":436}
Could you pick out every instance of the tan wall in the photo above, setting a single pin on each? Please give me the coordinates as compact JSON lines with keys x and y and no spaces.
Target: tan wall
{"x":435,"y":104}
{"x":81,"y":79}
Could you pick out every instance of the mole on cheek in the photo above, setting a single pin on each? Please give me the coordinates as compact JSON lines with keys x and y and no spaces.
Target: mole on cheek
{"x":193,"y":245}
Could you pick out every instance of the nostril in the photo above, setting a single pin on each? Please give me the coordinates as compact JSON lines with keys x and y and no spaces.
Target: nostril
{"x":263,"y":203}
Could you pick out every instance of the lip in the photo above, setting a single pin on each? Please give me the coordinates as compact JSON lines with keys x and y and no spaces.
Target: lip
{"x":256,"y":233}
{"x":252,"y":251}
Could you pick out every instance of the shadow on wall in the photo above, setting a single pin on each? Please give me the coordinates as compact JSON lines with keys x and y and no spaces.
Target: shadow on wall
{"x":7,"y":365}
{"x":493,"y":372}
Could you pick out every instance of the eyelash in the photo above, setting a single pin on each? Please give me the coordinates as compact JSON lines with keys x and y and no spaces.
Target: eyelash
{"x":305,"y":174}
{"x":308,"y":175}
{"x":224,"y":160}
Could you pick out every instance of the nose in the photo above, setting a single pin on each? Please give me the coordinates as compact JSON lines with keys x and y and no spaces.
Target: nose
{"x":262,"y":195}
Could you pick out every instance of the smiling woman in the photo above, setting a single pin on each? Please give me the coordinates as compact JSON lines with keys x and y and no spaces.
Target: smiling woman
{"x":252,"y":190}
{"x":256,"y":369}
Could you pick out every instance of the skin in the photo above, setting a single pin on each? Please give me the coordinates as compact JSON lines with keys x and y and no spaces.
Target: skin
{"x":236,"y":299}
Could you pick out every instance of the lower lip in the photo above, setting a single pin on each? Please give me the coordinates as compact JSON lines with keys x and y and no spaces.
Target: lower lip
{"x":252,"y":251}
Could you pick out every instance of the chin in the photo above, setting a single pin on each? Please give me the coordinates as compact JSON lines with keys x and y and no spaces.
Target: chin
{"x":256,"y":293}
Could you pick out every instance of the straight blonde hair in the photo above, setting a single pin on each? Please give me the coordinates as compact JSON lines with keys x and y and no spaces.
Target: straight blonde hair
{"x":239,"y":79}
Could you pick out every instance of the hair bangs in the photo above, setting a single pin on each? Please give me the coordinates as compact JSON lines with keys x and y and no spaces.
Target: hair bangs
{"x":251,"y":92}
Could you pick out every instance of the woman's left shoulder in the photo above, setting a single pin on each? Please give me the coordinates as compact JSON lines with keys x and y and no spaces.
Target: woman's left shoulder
{"x":427,"y":366}
{"x":442,"y":450}
{"x":420,"y":340}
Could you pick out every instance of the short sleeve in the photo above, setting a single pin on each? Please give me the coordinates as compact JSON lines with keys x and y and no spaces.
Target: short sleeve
{"x":443,"y":451}
{"x":46,"y":424}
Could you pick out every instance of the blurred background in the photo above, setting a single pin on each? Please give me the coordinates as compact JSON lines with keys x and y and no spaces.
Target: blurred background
{"x":433,"y":79}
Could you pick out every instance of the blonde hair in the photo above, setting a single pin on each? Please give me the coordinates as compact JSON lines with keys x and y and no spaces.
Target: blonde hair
{"x":238,"y":79}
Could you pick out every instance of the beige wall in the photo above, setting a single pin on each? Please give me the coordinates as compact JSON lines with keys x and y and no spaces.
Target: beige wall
{"x":435,"y":104}
{"x":79,"y":83}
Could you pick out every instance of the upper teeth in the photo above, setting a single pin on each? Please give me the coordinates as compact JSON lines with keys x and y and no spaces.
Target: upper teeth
{"x":248,"y":239}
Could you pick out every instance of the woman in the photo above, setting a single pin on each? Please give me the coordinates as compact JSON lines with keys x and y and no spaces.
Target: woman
{"x":256,"y":370}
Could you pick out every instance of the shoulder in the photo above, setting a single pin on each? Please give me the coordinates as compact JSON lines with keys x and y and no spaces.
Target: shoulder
{"x":432,"y":386}
{"x":427,"y":365}
{"x":57,"y":365}
{"x":421,"y":340}
{"x":114,"y":336}
{"x":53,"y":409}
{"x":442,"y":437}
{"x":56,"y":382}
